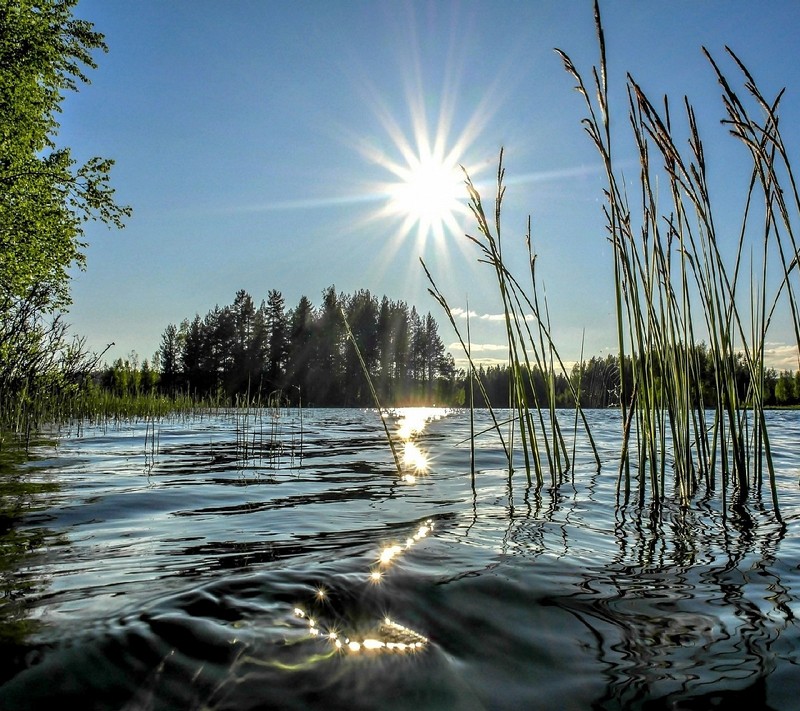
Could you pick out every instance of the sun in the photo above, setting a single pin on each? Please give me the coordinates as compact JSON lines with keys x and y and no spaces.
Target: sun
{"x":426,"y":151}
{"x":429,"y":194}
{"x":429,"y":133}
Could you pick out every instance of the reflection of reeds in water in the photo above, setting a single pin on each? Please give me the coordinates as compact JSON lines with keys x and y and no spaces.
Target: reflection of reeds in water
{"x":19,"y":548}
{"x":677,"y":602}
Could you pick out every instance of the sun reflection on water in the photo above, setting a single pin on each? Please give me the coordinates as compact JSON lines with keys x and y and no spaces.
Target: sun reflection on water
{"x":413,"y":420}
{"x":414,"y":458}
{"x":388,"y":553}
{"x":411,"y":423}
{"x":387,"y":635}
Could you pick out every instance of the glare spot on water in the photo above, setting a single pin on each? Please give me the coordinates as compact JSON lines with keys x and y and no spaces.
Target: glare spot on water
{"x":410,"y":425}
{"x":414,"y":457}
{"x":423,"y":531}
{"x":414,"y":420}
{"x":387,"y":635}
{"x":388,"y":553}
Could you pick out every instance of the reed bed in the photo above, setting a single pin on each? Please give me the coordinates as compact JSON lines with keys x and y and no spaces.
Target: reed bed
{"x":29,"y":411}
{"x":677,"y":284}
{"x":674,"y":284}
{"x":532,"y":351}
{"x":265,"y":430}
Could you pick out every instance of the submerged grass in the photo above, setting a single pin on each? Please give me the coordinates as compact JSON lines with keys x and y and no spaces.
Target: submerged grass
{"x":674,"y":287}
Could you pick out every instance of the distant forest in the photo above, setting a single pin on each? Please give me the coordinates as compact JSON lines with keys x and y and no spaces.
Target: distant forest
{"x":260,"y":354}
{"x":248,"y":353}
{"x":598,"y":382}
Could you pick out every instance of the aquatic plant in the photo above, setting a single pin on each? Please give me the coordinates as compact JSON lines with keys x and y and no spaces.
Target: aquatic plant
{"x":532,"y":351}
{"x":265,"y":428}
{"x":372,"y":391}
{"x":674,"y":288}
{"x":670,"y":268}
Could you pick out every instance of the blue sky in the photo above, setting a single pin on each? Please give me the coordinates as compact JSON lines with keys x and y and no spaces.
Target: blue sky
{"x":256,"y":142}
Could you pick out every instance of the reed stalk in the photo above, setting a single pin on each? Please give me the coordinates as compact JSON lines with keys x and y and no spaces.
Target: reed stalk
{"x":372,"y":391}
{"x":675,"y":286}
{"x":670,"y":267}
{"x":531,"y":352}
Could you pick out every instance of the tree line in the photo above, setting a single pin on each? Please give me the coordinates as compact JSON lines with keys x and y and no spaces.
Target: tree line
{"x":248,"y":353}
{"x":598,"y":383}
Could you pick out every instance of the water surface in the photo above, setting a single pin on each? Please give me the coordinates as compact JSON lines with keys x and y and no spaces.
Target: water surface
{"x":270,"y":560}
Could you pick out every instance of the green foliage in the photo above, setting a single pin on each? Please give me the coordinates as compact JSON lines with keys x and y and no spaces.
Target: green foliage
{"x":45,"y":198}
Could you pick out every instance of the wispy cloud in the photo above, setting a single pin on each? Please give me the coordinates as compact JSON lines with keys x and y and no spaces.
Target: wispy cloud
{"x":481,"y":347}
{"x":474,"y":315}
{"x":485,"y":362}
{"x":781,"y":356}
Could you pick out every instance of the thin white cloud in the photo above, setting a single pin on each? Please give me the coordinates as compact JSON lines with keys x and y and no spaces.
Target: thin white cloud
{"x":458,"y":312}
{"x":492,"y":317}
{"x":462,"y":313}
{"x":781,"y":356}
{"x":480,"y":347}
{"x":485,"y":362}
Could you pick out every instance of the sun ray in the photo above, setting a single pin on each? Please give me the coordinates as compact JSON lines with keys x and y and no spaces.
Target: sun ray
{"x":425,"y":195}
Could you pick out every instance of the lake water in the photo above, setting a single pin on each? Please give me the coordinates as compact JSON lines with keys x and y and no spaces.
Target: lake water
{"x":278,"y":561}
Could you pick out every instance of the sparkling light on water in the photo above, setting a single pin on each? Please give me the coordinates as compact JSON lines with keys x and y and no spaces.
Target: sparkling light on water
{"x":411,"y":424}
{"x":415,"y":458}
{"x":388,"y":553}
{"x":388,"y":635}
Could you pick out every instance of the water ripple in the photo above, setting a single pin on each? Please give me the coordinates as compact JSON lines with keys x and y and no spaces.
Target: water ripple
{"x":257,"y":560}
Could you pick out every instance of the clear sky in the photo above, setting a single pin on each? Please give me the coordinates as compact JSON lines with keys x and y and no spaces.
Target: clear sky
{"x":266,"y":145}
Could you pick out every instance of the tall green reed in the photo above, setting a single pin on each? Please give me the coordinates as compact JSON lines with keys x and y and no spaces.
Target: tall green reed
{"x":674,"y":287}
{"x":671,"y":271}
{"x":532,"y":350}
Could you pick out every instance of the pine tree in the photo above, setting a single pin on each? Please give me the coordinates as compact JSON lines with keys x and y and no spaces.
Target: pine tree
{"x":301,"y":351}
{"x":278,"y":330}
